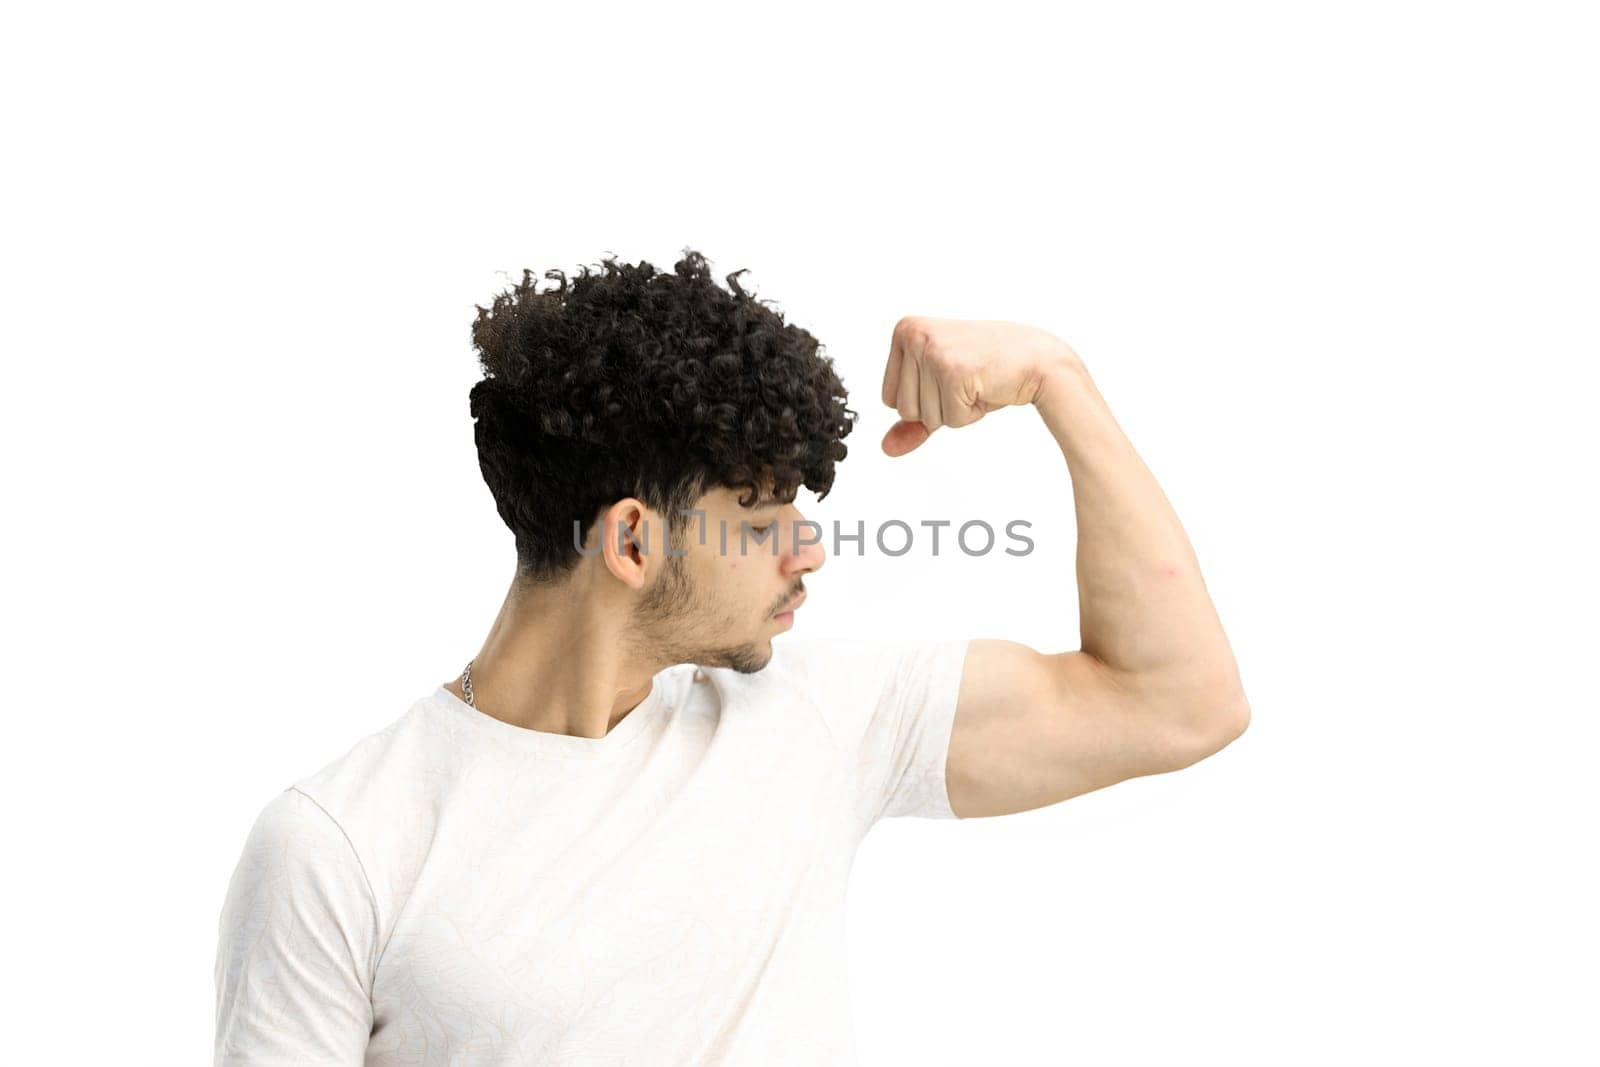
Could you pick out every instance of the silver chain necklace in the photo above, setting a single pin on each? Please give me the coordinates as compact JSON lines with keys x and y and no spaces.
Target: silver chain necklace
{"x":466,"y":682}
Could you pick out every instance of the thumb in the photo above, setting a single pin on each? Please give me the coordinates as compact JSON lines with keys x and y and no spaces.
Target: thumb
{"x":904,"y":436}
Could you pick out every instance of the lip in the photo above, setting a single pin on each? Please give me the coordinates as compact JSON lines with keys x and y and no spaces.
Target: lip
{"x":794,"y":606}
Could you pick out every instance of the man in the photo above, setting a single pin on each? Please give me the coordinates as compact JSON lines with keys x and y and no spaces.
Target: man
{"x":623,"y":834}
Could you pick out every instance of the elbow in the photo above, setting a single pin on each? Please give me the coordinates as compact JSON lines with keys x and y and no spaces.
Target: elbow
{"x":1237,"y":719}
{"x":1202,"y":715}
{"x":1225,"y":718}
{"x":1217,"y":715}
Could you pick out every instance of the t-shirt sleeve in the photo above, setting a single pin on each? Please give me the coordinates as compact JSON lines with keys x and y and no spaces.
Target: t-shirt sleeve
{"x":296,"y":943}
{"x":893,"y":705}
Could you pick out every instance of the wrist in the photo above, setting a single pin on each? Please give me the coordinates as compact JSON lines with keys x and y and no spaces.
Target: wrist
{"x":1060,"y":373}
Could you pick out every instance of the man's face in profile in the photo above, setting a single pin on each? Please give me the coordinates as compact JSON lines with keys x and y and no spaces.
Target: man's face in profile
{"x":716,"y":604}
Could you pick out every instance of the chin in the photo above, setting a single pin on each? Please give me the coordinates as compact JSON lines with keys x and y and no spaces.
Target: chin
{"x":751,"y":658}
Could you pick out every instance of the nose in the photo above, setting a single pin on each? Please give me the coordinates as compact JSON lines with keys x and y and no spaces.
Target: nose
{"x":804,"y":558}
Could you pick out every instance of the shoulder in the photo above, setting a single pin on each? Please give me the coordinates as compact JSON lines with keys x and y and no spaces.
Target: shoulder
{"x":381,"y":795}
{"x":833,"y":663}
{"x":294,"y":828}
{"x":820,"y":660}
{"x":377,"y":762}
{"x":855,"y":682}
{"x":295,"y":851}
{"x":816,"y":671}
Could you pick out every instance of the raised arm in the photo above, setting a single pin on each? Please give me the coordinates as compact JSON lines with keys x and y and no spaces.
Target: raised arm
{"x":1154,"y":687}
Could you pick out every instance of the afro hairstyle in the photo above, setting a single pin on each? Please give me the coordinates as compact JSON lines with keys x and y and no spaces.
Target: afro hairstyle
{"x":635,"y":382}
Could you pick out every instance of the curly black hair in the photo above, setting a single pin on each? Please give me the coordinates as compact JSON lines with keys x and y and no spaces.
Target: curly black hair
{"x":634,"y":382}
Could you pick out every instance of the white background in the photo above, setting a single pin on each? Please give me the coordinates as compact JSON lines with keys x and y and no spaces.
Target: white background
{"x":1334,"y":268}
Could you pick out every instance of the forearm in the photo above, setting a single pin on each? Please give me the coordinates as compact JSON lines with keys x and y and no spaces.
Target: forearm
{"x":1143,"y":608}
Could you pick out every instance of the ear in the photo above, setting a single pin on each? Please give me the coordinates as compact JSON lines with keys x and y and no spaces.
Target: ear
{"x":629,"y":532}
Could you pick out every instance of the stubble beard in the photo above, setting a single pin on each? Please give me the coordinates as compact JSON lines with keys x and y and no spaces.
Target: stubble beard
{"x":673,"y":617}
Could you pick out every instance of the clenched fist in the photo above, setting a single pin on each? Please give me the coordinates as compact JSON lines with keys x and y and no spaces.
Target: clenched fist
{"x":953,"y":372}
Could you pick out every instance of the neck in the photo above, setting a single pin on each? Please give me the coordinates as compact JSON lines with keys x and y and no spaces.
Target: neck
{"x":560,"y":662}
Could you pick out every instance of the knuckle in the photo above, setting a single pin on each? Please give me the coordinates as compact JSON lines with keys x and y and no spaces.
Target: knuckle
{"x":911,"y":328}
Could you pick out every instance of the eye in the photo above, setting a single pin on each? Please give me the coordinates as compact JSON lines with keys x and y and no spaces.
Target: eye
{"x":763,"y":529}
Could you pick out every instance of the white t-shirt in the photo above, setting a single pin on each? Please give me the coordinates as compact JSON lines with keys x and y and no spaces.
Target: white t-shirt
{"x":455,"y":889}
